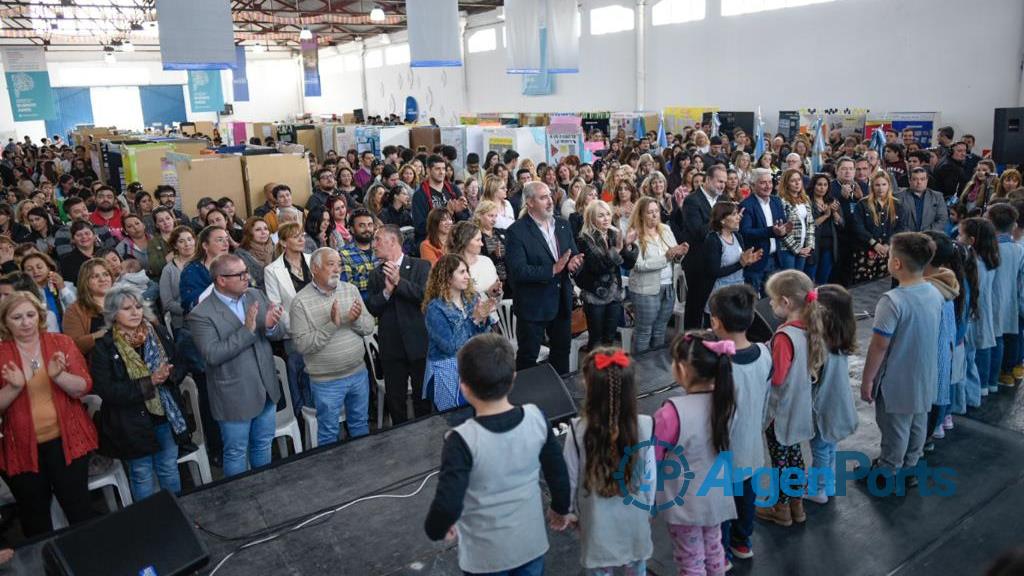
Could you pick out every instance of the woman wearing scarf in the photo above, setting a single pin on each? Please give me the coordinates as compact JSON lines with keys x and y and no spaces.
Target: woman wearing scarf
{"x":256,"y":250}
{"x":141,"y":420}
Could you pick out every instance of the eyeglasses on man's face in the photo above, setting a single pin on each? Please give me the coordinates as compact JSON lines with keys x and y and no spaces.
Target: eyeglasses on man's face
{"x":239,"y":275}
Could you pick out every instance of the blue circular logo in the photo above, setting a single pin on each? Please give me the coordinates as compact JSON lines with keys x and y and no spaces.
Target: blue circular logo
{"x":652,"y":481}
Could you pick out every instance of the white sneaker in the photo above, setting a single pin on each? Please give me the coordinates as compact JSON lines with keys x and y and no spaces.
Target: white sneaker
{"x":939,"y":432}
{"x":948,"y":422}
{"x":984,"y":391}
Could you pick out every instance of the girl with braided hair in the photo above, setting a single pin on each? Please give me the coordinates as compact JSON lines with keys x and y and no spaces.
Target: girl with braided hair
{"x":696,"y":425}
{"x":612,"y":535}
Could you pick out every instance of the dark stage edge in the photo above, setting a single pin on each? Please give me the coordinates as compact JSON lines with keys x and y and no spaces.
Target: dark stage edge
{"x":852,"y":535}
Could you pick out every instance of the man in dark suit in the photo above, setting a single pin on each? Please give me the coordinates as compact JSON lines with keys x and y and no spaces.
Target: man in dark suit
{"x":540,"y":256}
{"x":395,"y":295}
{"x":763,"y":226}
{"x":697,"y":215}
{"x":923,"y":209}
{"x":232,"y":328}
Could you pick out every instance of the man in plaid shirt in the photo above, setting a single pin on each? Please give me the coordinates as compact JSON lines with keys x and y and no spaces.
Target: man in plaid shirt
{"x":357,"y":257}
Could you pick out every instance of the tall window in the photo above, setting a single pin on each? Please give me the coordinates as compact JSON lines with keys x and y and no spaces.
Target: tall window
{"x":484,"y":40}
{"x":738,"y":7}
{"x":611,"y":19}
{"x":677,"y":11}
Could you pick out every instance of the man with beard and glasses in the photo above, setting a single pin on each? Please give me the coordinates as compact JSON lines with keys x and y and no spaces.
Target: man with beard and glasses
{"x":167,"y":196}
{"x":108,"y":212}
{"x":327,"y":326}
{"x":540,"y":256}
{"x":357,"y":257}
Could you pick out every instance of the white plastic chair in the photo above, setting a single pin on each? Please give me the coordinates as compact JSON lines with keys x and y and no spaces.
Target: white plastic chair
{"x":113,"y":478}
{"x":575,"y":346}
{"x":679,"y":309}
{"x":507,"y":326}
{"x":197,"y":460}
{"x":286,"y":424}
{"x":372,"y":345}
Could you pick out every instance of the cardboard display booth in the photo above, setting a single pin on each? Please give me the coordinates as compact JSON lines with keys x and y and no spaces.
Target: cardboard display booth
{"x":143,"y":163}
{"x":290,"y":169}
{"x":209,"y":175}
{"x":426,"y":136}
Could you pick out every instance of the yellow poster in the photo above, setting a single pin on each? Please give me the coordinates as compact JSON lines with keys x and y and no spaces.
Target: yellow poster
{"x":677,"y":118}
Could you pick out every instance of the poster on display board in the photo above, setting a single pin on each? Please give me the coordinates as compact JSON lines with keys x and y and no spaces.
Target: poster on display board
{"x":678,"y":118}
{"x":922,"y":123}
{"x":789,"y":124}
{"x":592,"y":121}
{"x":455,"y":136}
{"x":564,"y":140}
{"x":846,"y":121}
{"x":870,"y":126}
{"x":532,"y":142}
{"x":498,"y":140}
{"x":623,"y":123}
{"x":344,"y":139}
{"x":368,"y":140}
{"x":475,"y":142}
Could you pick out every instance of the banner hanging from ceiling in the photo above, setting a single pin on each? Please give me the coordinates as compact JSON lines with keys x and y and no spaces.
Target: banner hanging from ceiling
{"x":204,"y":91}
{"x":310,"y":67}
{"x":28,"y":83}
{"x":196,"y":34}
{"x":542,"y":35}
{"x":434,"y":37}
{"x":239,"y":76}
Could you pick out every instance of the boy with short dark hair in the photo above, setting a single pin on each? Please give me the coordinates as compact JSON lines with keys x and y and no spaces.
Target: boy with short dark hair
{"x":901,"y":368}
{"x":732,"y":314}
{"x":488,"y":495}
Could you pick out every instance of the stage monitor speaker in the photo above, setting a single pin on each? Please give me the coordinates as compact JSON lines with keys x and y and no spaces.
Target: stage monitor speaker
{"x":152,"y":536}
{"x":765,"y":322}
{"x":1008,"y":136}
{"x":542,"y":386}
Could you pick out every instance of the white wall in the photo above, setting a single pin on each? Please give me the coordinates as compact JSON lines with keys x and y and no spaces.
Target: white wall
{"x":961,"y":59}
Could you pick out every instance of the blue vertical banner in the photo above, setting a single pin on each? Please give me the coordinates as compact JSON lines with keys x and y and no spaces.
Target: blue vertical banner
{"x":28,"y":83}
{"x":239,"y":79}
{"x":204,"y":92}
{"x":310,"y":67}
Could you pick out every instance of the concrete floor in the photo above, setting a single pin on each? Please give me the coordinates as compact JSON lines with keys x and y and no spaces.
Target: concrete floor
{"x":852,"y":535}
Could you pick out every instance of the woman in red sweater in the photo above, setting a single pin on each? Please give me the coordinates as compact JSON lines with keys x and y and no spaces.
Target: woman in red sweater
{"x":47,"y":433}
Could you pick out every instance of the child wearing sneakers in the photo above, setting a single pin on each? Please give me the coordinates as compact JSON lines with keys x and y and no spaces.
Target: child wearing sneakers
{"x":698,"y":423}
{"x":732,"y":314}
{"x":1005,"y":293}
{"x":938,"y":273}
{"x":835,"y":417}
{"x":901,"y":367}
{"x":488,"y":496}
{"x":798,"y":352}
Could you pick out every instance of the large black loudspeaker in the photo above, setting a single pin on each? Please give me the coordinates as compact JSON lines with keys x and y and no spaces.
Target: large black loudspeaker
{"x":542,"y":386}
{"x":1008,"y":136}
{"x":149,"y":537}
{"x":765,"y":322}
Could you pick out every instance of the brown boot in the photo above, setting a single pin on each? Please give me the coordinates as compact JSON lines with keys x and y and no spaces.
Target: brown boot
{"x":796,"y":510}
{"x":778,"y":514}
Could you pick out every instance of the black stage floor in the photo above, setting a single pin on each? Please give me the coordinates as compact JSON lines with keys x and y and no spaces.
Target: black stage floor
{"x":853,"y":535}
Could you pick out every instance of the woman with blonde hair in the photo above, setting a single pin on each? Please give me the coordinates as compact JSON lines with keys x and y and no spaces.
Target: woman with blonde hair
{"x":650,"y":281}
{"x":493,"y":238}
{"x":407,"y":175}
{"x":798,"y":244}
{"x":47,"y":433}
{"x":496,"y":190}
{"x":599,"y":278}
{"x":875,"y":220}
{"x":1009,"y":181}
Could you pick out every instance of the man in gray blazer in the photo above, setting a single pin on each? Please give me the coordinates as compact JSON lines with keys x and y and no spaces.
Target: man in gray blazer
{"x":232,"y":328}
{"x":923,"y":209}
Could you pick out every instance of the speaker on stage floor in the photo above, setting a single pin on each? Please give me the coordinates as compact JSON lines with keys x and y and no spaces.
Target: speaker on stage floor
{"x":152,"y":536}
{"x":765,"y":322}
{"x":542,"y":386}
{"x":1008,"y":136}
